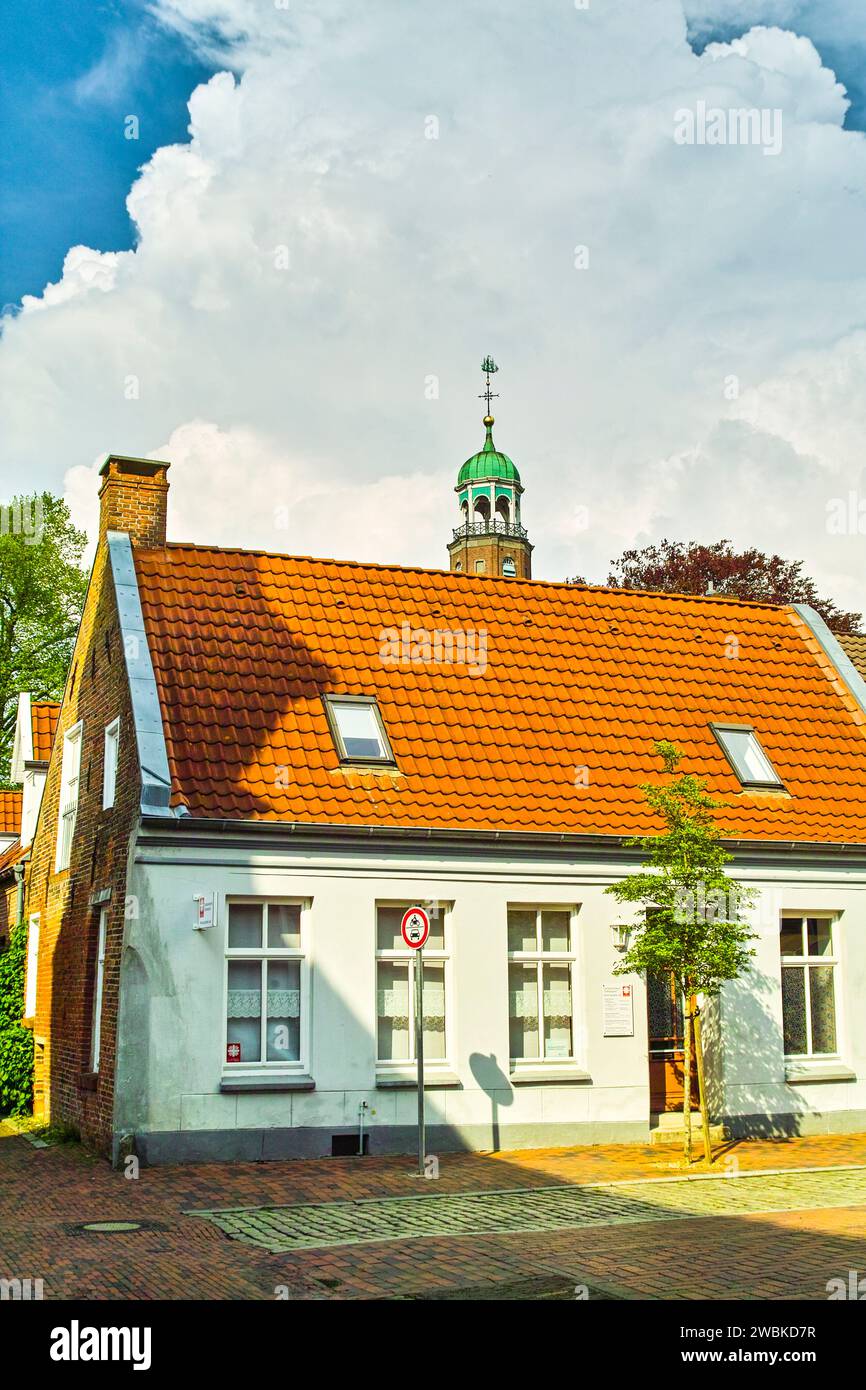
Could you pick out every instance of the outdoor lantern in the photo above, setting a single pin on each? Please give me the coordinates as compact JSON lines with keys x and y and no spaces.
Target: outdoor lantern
{"x":621,"y":934}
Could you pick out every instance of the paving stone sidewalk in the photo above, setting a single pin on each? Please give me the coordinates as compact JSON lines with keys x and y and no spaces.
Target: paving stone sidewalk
{"x":297,"y":1227}
{"x":47,"y":1195}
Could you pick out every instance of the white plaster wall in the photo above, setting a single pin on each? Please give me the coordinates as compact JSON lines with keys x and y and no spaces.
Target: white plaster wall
{"x":183,"y":1051}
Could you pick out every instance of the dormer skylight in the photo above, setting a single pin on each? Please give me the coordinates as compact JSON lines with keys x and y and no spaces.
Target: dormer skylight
{"x":741,"y":747}
{"x":357,"y":729}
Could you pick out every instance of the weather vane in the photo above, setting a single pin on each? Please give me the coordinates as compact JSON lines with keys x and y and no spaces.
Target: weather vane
{"x":489,"y":366}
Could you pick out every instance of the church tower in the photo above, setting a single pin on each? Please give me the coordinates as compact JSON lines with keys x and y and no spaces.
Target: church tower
{"x":490,"y":538}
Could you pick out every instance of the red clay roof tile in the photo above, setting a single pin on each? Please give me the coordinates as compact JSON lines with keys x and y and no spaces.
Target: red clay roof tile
{"x":43,"y":716}
{"x":245,"y":645}
{"x":10,"y":812}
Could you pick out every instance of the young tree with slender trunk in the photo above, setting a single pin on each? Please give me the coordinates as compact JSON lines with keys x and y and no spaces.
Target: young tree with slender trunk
{"x":692,"y":928}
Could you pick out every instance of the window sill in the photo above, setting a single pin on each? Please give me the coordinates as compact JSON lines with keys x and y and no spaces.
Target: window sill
{"x":798,"y":1073}
{"x":549,"y":1075}
{"x":403,"y":1080}
{"x":293,"y":1081}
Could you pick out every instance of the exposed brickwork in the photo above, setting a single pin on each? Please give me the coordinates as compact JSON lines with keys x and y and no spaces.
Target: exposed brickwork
{"x":493,"y":550}
{"x":133,"y":499}
{"x":8,"y":893}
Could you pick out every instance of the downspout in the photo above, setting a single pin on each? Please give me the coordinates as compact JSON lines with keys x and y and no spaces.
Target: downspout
{"x":19,"y":883}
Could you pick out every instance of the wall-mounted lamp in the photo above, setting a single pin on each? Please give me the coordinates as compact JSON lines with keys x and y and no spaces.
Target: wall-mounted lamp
{"x":621,"y":935}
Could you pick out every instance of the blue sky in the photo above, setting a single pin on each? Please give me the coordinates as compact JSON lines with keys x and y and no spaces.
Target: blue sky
{"x":72,"y":74}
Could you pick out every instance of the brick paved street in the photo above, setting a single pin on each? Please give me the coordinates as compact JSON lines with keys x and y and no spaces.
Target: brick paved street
{"x":622,"y":1242}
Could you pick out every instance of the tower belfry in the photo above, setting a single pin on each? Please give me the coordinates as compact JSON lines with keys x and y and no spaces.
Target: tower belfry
{"x":490,"y":538}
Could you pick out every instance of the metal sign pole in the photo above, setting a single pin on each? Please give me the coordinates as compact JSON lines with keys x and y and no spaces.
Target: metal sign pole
{"x":419,"y":1052}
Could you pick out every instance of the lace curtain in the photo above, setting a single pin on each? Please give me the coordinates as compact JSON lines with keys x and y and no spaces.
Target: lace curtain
{"x":247,"y":1003}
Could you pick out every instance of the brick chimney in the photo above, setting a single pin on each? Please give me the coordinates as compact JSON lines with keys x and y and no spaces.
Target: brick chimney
{"x":134,"y":498}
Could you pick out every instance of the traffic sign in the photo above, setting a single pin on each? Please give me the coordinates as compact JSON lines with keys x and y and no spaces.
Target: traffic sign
{"x":415,"y":927}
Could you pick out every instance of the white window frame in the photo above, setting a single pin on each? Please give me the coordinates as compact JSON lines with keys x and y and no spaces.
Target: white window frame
{"x":406,"y":956}
{"x":67,"y":812}
{"x":111,"y":757}
{"x":266,"y":953}
{"x":803,"y":962}
{"x":98,"y":983}
{"x":540,"y":958}
{"x":31,"y":977}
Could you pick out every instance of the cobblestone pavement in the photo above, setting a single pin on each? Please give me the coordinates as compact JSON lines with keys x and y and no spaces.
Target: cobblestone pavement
{"x":297,"y":1227}
{"x":47,"y":1195}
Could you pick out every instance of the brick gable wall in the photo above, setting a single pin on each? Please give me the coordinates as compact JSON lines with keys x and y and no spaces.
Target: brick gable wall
{"x":66,"y":1091}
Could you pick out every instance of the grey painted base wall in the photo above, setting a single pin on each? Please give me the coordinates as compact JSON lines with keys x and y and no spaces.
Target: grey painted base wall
{"x":255,"y":1145}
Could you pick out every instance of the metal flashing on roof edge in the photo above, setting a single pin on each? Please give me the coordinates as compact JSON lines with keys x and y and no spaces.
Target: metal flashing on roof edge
{"x":146,"y":713}
{"x":819,"y":629}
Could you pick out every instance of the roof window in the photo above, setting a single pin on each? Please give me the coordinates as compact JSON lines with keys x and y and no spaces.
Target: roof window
{"x":357,"y":729}
{"x":740,"y":745}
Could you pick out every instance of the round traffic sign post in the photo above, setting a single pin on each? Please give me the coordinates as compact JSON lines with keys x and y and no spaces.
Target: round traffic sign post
{"x":415,"y":929}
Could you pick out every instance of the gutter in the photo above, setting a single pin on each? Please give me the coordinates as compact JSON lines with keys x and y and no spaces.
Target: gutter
{"x":195,"y":828}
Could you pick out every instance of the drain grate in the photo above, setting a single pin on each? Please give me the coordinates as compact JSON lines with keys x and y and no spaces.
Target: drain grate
{"x":282,"y":1229}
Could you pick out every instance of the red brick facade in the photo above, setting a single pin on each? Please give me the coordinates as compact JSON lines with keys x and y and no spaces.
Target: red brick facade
{"x":133,"y":499}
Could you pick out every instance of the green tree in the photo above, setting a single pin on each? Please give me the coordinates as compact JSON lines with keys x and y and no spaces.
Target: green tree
{"x":16,"y":1043}
{"x":42,"y":587}
{"x":692,"y":926}
{"x":673,"y":567}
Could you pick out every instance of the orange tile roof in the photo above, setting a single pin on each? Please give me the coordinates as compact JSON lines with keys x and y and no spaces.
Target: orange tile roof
{"x":554,"y":736}
{"x":44,"y":715}
{"x":854,"y":648}
{"x":10,"y":812}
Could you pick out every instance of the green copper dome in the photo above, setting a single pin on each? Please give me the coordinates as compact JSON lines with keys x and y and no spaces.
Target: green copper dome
{"x":488,"y":463}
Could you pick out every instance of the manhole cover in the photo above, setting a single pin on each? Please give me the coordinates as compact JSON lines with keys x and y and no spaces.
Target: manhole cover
{"x":109,"y":1227}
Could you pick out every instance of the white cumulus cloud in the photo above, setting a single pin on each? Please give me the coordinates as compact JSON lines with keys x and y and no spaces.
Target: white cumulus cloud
{"x":374,"y":196}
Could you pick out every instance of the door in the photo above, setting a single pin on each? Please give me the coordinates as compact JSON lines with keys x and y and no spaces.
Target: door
{"x":667,"y":1046}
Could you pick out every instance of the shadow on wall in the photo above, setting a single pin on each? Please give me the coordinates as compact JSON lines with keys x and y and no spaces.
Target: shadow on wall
{"x":70,"y":903}
{"x":746,"y":1083}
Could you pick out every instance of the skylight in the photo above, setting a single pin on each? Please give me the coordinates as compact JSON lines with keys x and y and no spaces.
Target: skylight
{"x":743,"y":751}
{"x":357,"y":729}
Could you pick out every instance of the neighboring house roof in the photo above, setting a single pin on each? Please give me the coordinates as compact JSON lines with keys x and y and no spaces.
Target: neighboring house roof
{"x":34,"y":733}
{"x":854,"y":647}
{"x":554,"y":734}
{"x":45,"y":714}
{"x":10,"y":812}
{"x":11,"y":856}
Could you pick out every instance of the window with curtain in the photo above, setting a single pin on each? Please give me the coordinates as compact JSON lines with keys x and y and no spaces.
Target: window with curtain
{"x":265,"y":966}
{"x":395,"y":989}
{"x":540,"y":984}
{"x":808,"y":951}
